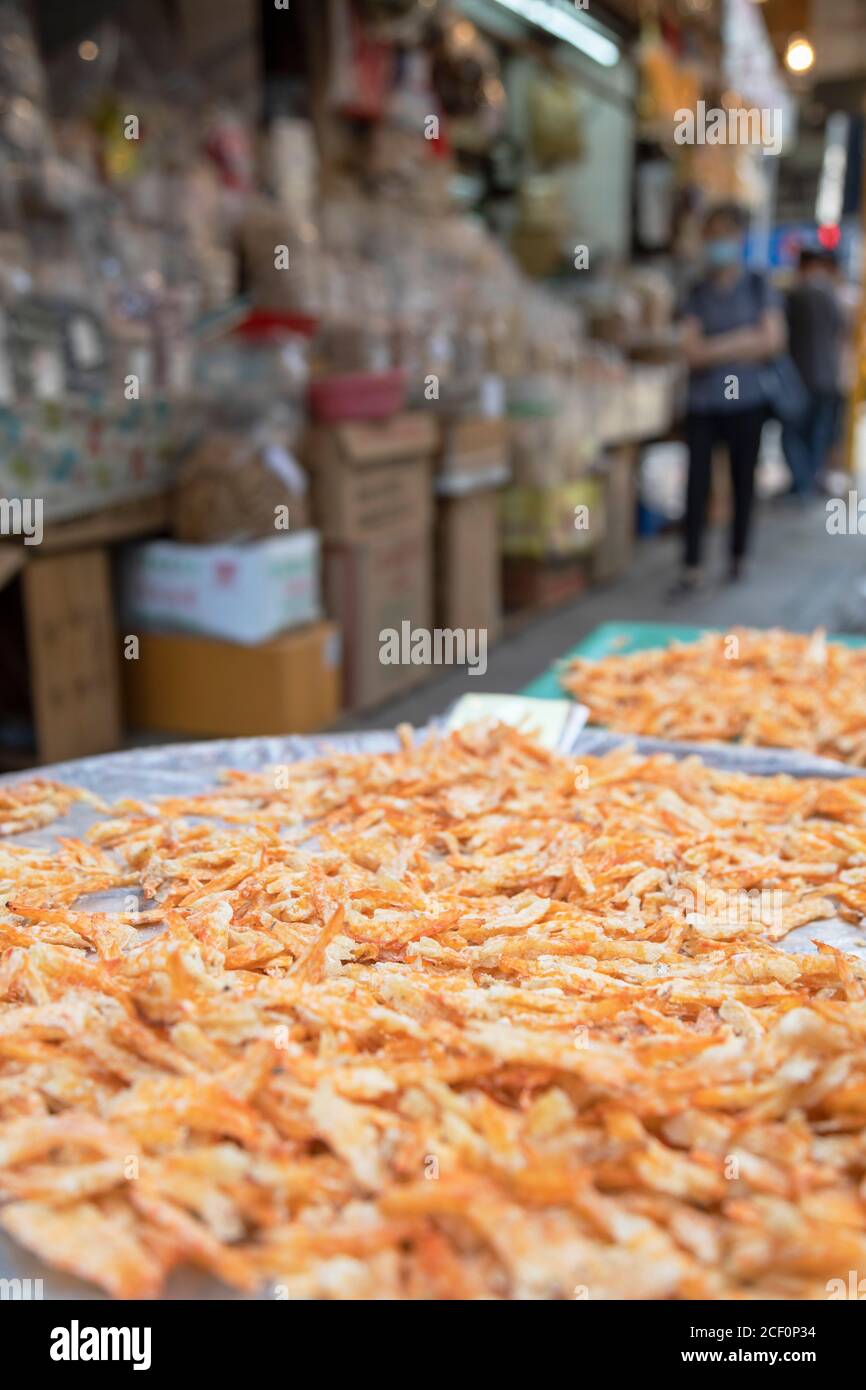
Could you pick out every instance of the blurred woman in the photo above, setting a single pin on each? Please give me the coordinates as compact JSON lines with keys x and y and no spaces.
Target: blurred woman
{"x":732,"y":325}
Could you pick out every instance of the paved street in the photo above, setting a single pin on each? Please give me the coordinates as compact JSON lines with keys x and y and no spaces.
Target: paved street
{"x":800,"y":577}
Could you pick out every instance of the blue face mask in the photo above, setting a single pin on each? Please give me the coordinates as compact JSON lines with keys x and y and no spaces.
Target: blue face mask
{"x":722,"y":252}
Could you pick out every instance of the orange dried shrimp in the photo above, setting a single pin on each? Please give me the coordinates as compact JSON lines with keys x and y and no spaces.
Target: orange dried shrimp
{"x":468,"y":1020}
{"x":774,"y":688}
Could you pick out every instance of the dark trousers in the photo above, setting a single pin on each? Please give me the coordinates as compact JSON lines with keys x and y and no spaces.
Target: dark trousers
{"x":740,"y":430}
{"x":807,"y":443}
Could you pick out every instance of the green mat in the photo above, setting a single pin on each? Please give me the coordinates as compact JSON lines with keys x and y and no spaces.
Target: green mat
{"x":620,"y":638}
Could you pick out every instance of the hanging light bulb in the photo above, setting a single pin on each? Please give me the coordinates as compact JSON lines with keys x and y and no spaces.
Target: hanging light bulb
{"x":799,"y":54}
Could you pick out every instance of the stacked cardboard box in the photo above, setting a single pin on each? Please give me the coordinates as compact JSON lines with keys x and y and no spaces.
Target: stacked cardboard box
{"x":474,"y":455}
{"x":198,"y":686}
{"x":372,"y":496}
{"x":617,"y":471}
{"x":59,"y":692}
{"x":69,"y":628}
{"x":244,"y":593}
{"x":229,"y":638}
{"x":473,"y":466}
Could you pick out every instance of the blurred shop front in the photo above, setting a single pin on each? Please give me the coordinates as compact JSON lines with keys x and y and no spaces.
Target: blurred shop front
{"x":319,"y":320}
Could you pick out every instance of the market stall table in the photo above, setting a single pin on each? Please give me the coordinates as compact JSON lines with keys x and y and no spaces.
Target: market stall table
{"x":621,"y":639}
{"x":184,"y":769}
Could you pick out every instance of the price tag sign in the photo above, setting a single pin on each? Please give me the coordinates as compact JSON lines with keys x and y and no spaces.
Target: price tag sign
{"x":554,"y":723}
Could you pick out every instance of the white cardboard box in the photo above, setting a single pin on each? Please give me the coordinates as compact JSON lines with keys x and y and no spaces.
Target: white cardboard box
{"x":243,"y":593}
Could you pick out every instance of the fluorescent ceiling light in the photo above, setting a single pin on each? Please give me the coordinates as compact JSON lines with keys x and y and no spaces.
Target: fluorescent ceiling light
{"x":568,"y":25}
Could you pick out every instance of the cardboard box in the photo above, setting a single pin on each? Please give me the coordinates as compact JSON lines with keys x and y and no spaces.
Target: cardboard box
{"x":69,"y":621}
{"x":370,"y":477}
{"x":192,"y":685}
{"x":539,"y":522}
{"x":618,"y":474}
{"x":58,"y":673}
{"x":240,"y":593}
{"x":474,"y":453}
{"x":468,"y":564}
{"x":62,"y":680}
{"x":373,"y":587}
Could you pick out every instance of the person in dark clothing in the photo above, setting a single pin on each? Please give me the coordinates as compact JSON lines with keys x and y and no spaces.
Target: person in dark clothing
{"x":732,"y":324}
{"x":816,"y":328}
